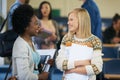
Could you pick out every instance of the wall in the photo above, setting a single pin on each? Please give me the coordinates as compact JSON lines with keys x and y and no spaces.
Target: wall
{"x":107,"y":7}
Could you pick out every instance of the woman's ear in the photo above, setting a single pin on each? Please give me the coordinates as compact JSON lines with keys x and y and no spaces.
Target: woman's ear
{"x":26,"y":28}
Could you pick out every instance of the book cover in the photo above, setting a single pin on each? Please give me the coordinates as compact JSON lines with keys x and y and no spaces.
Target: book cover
{"x":44,"y":34}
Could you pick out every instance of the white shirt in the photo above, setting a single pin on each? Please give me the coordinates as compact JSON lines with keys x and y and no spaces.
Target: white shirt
{"x":22,"y":62}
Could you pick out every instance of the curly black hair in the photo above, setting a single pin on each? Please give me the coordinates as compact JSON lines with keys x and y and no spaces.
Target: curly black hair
{"x":21,"y":18}
{"x":39,"y":10}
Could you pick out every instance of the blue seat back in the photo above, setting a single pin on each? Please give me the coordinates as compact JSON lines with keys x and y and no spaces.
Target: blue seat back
{"x":111,"y":67}
{"x":110,"y":52}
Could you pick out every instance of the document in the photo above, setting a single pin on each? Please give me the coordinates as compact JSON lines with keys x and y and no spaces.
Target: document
{"x":78,"y":52}
{"x":50,"y":54}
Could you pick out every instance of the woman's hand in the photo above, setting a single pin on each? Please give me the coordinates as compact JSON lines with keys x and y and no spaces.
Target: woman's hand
{"x":53,"y":37}
{"x":69,"y":71}
{"x":78,"y":70}
{"x":12,"y":78}
{"x":40,"y":29}
{"x":116,"y":40}
{"x":82,"y":63}
{"x":43,"y":76}
{"x":51,"y":62}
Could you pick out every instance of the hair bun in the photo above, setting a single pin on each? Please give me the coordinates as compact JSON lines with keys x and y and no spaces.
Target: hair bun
{"x":116,"y":17}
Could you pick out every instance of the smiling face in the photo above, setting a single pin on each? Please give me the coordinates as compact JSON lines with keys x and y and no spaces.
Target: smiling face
{"x":72,"y":22}
{"x":34,"y":27}
{"x":79,"y":22}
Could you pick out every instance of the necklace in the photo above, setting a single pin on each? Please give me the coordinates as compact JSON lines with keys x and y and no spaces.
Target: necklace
{"x":86,"y":41}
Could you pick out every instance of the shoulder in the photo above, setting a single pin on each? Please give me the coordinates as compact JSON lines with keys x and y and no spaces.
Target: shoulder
{"x":14,"y":6}
{"x":91,"y":7}
{"x":20,"y":48}
{"x":54,"y":22}
{"x":97,"y":43}
{"x":19,"y":41}
{"x":56,"y":25}
{"x":109,"y":29}
{"x":65,"y":38}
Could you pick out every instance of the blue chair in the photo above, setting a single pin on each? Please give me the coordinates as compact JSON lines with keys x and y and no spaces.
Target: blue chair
{"x":55,"y":74}
{"x":111,"y":69}
{"x":110,"y":52}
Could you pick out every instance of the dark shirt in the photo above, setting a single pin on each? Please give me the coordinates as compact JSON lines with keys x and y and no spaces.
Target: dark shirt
{"x":109,"y":34}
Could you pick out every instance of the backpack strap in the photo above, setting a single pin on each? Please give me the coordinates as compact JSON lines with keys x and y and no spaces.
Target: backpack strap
{"x":4,"y":22}
{"x":8,"y":70}
{"x":2,"y":26}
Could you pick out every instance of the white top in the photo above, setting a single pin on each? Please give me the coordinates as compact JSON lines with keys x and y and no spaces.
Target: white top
{"x":22,"y":62}
{"x":85,"y":53}
{"x":82,"y":52}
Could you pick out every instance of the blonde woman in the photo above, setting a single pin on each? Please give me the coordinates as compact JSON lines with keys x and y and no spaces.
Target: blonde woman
{"x":80,"y":55}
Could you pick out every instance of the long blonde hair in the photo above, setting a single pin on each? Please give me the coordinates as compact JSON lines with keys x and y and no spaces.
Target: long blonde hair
{"x":84,"y":22}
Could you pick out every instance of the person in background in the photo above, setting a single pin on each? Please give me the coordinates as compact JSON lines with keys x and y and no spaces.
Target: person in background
{"x":112,"y":34}
{"x":80,"y":55}
{"x":13,"y":7}
{"x":93,"y":10}
{"x":48,"y":24}
{"x":25,"y":58}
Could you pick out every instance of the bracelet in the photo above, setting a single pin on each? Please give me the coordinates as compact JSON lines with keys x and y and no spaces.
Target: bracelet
{"x":65,"y":65}
{"x":39,"y":77}
{"x":95,"y":69}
